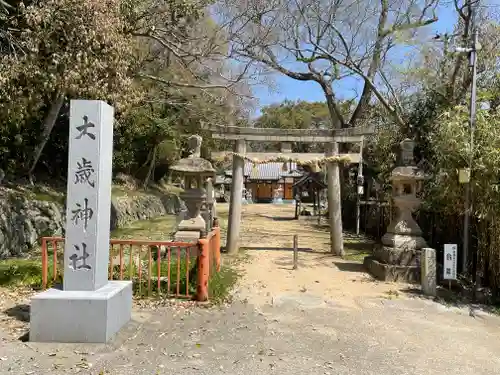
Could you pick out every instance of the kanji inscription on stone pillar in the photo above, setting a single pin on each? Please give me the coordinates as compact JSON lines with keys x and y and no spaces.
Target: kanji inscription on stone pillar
{"x":88,"y":208}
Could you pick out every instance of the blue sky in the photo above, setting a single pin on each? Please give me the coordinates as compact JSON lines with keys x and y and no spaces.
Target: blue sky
{"x":288,"y":88}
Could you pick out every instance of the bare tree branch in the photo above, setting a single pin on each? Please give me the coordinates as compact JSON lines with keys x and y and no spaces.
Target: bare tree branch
{"x":390,"y":88}
{"x":331,"y":40}
{"x":197,"y":48}
{"x":273,"y":63}
{"x":186,"y":84}
{"x":374,"y":64}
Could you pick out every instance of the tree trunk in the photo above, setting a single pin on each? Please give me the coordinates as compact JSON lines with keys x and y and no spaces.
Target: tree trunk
{"x":366,"y":95}
{"x":151,"y":168}
{"x":49,"y":123}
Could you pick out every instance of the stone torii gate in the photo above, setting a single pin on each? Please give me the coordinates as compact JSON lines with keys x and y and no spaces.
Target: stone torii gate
{"x":331,"y":138}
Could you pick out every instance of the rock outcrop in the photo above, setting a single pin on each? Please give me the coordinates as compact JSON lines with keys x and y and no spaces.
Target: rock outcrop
{"x":142,"y":207}
{"x":23,"y":222}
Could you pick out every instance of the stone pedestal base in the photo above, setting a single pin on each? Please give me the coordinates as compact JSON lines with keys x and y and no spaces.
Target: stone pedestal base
{"x":192,"y":224}
{"x":189,"y":230}
{"x":393,"y":264}
{"x":187,"y":236}
{"x":404,"y":241}
{"x":180,"y":217}
{"x":392,"y":272}
{"x":396,"y":256}
{"x":278,"y":201}
{"x":81,"y":316}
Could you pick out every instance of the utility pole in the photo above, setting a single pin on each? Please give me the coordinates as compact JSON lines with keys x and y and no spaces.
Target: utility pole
{"x":472,"y":51}
{"x":360,"y":187}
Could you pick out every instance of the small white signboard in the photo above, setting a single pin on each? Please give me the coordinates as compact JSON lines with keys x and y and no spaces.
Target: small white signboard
{"x":450,"y":262}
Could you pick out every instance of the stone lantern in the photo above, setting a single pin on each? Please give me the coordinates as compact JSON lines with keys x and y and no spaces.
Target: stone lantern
{"x":195,"y":171}
{"x":278,"y":195}
{"x":397,"y":257}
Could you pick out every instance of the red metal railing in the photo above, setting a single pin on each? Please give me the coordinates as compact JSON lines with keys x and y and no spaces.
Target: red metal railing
{"x":160,"y":267}
{"x":146,"y":264}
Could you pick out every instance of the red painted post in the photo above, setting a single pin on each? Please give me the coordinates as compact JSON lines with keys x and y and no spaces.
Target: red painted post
{"x":45,"y":263}
{"x":203,"y":270}
{"x":216,"y":240}
{"x":121,"y":261}
{"x":178,"y":286}
{"x":54,"y":258}
{"x":158,"y":269}
{"x":111,"y":248}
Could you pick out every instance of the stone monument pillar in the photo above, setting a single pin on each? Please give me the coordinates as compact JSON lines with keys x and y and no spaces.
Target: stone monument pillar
{"x":195,"y":170}
{"x":90,"y":308}
{"x":398,"y":257}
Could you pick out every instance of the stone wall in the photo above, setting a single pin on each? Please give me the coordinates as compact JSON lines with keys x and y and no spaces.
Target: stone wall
{"x":142,"y":207}
{"x":23,"y":221}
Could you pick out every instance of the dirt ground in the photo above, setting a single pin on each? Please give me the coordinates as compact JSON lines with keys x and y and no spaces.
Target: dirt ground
{"x":326,"y":317}
{"x":267,"y":237}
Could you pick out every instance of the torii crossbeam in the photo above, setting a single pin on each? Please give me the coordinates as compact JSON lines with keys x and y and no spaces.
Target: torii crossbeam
{"x":331,"y":138}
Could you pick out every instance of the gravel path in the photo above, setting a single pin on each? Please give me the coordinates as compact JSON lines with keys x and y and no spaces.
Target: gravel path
{"x":299,"y":334}
{"x":328,"y":317}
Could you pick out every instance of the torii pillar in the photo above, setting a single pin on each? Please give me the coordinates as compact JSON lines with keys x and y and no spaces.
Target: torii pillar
{"x":234,"y":224}
{"x":334,"y":200}
{"x":242,"y":134}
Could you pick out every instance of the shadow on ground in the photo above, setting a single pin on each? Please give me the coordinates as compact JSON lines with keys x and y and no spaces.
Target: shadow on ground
{"x":286,"y":263}
{"x":456,"y":298}
{"x":264,"y":248}
{"x":20,"y":312}
{"x":277,"y":218}
{"x":359,"y":246}
{"x":350,"y":267}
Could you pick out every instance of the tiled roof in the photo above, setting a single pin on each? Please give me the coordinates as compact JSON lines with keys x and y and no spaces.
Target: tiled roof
{"x":310,"y":178}
{"x":268,"y":171}
{"x":219,"y":179}
{"x":222,"y":180}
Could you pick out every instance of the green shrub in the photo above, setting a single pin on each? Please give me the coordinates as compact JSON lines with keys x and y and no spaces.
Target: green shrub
{"x":26,"y":272}
{"x":143,"y":288}
{"x":221,"y":284}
